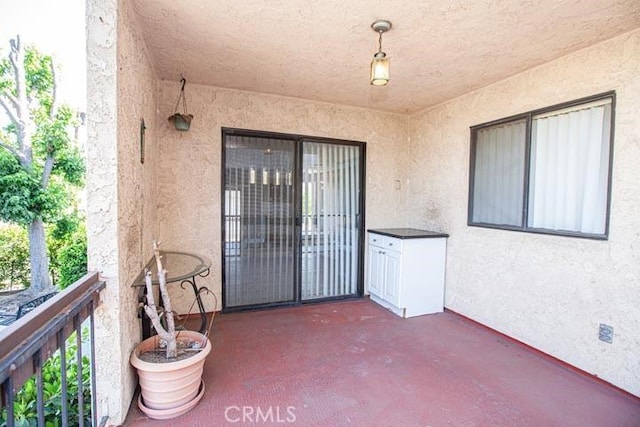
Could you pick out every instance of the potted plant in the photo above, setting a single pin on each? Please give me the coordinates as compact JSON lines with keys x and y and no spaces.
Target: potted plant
{"x":169,"y":364}
{"x":181,"y":121}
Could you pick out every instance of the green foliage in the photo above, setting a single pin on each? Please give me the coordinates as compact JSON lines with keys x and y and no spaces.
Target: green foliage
{"x":18,"y":189}
{"x":67,"y":245}
{"x":14,"y":257}
{"x":38,"y":72}
{"x":25,"y":407}
{"x":24,"y":195}
{"x":40,"y":169}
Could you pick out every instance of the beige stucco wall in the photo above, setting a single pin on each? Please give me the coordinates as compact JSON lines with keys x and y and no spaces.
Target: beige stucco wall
{"x":550,"y":292}
{"x":190,"y":162}
{"x":547,"y":291}
{"x":122,"y":192}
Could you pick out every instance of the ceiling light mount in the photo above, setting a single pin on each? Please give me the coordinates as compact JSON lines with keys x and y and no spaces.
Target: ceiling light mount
{"x":380,"y":61}
{"x":381,"y":26}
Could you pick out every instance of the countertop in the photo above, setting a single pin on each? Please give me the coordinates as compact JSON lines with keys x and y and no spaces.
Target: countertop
{"x":408,"y":233}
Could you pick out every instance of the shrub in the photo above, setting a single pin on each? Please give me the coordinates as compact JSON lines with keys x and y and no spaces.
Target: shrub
{"x":67,"y":244}
{"x":73,"y":260}
{"x":25,"y":407}
{"x":14,"y":257}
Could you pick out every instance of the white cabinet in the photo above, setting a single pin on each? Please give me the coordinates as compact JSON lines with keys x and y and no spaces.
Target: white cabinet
{"x":406,"y":270}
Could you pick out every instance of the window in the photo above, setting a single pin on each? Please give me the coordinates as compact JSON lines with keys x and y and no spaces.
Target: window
{"x":546,"y":171}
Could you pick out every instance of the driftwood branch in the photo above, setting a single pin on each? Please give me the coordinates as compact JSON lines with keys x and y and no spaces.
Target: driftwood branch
{"x":162,"y":278}
{"x":150,"y":308}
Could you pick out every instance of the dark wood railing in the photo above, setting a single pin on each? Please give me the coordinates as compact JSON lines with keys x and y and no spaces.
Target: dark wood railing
{"x":27,"y":344}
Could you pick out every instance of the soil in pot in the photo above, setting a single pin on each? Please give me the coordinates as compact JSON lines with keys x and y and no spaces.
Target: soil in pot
{"x":159,"y":355}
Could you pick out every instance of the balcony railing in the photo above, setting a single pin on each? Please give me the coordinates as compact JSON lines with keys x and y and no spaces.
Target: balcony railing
{"x":28,"y":343}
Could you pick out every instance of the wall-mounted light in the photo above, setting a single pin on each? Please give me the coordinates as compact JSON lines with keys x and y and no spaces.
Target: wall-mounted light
{"x":380,"y":61}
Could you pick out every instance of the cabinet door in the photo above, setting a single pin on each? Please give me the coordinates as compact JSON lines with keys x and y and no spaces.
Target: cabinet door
{"x":391,"y":287}
{"x":376,"y":270}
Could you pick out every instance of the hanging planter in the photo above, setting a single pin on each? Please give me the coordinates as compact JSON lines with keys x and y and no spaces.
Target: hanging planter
{"x":182,"y":121}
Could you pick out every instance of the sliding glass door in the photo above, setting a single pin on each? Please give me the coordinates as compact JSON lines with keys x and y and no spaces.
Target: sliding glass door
{"x":291,"y":219}
{"x":259,"y":221}
{"x":330,"y":220}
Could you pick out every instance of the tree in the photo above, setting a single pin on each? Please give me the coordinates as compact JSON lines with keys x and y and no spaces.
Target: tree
{"x":67,"y":245}
{"x":14,"y":257}
{"x":38,"y":164}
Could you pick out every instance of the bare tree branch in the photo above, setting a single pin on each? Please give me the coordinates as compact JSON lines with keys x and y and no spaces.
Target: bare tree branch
{"x":54,"y":100}
{"x":9,"y":149}
{"x":12,"y":114}
{"x":11,"y":98}
{"x":16,"y":57}
{"x":46,"y":173}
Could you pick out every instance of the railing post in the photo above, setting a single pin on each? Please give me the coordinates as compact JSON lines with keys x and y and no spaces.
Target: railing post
{"x":37,"y":360}
{"x":94,"y":404}
{"x":78,"y":328}
{"x":8,"y":400}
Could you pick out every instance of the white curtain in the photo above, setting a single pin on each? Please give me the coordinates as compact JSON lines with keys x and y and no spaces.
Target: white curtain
{"x":499,"y":174}
{"x":570,"y":168}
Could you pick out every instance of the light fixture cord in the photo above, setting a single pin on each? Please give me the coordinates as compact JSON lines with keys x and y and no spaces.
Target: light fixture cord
{"x":380,"y":41}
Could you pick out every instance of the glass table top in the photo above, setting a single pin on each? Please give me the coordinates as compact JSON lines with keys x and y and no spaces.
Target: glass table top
{"x":179,"y":266}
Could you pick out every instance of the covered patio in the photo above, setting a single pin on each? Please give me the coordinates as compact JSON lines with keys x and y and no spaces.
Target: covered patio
{"x":354,"y":363}
{"x":302,"y":69}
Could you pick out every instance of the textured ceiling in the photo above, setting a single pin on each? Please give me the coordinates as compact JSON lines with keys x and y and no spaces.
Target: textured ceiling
{"x":321,"y":50}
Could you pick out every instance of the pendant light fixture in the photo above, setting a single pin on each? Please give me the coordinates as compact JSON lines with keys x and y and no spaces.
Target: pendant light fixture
{"x":380,"y":61}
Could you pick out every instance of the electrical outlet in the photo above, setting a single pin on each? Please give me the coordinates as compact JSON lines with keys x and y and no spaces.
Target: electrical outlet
{"x":605,"y":333}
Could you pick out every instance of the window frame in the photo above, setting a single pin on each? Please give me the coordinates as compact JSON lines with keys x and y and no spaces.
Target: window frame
{"x":528,"y":117}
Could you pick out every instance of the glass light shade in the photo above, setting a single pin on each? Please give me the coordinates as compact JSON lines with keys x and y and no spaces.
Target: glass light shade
{"x":380,"y":69}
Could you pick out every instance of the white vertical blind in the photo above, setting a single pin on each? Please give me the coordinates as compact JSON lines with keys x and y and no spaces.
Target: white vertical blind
{"x":499,"y":174}
{"x":259,"y":221}
{"x":330,"y":209}
{"x":570,"y":169}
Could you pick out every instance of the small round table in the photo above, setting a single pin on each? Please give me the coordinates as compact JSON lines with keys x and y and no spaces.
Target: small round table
{"x":182,"y":267}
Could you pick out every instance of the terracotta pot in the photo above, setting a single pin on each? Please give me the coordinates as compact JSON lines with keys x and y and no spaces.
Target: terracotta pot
{"x":170,"y":385}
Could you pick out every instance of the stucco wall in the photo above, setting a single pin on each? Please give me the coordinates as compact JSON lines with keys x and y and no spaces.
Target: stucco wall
{"x":547,"y":291}
{"x":189,"y":189}
{"x":122,"y":191}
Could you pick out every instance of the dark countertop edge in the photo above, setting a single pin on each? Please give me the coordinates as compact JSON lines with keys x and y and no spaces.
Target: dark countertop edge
{"x":418,"y":234}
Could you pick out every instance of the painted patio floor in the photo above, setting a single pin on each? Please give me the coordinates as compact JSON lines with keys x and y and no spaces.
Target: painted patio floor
{"x":353,"y":363}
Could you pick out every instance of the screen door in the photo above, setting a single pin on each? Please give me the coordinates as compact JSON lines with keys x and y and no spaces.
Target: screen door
{"x":259,"y":221}
{"x":291,"y":219}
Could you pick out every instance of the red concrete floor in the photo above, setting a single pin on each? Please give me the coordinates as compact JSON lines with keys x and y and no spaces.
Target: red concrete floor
{"x":353,"y":363}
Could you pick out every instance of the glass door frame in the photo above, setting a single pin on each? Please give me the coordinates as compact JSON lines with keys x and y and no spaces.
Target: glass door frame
{"x":299,"y":141}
